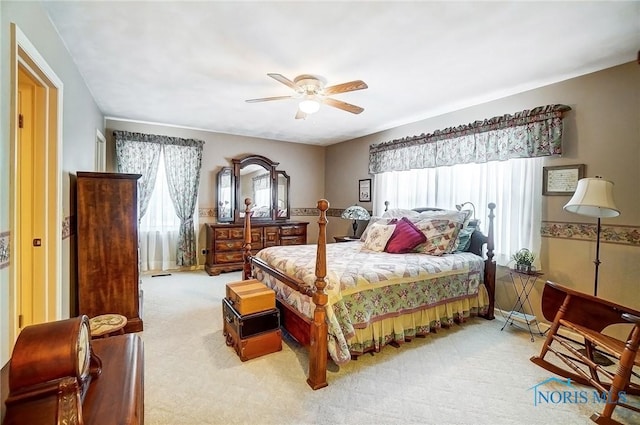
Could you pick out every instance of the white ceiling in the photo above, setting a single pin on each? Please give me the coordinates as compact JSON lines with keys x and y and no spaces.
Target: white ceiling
{"x":193,"y":64}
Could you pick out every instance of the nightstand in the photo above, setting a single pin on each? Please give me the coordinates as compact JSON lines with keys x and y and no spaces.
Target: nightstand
{"x":345,"y":238}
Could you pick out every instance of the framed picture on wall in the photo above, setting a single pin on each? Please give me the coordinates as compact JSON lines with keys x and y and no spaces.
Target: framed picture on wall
{"x":562,"y":179}
{"x":364,"y":190}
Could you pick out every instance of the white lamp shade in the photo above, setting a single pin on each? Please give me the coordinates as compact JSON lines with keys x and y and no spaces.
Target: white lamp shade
{"x":594,"y":198}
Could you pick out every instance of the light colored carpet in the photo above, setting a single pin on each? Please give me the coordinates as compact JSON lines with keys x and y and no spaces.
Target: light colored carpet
{"x":470,"y":374}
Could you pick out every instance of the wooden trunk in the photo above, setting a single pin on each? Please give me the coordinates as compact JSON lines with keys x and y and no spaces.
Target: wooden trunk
{"x":108,"y":269}
{"x":250,"y":296}
{"x":252,"y":324}
{"x":255,"y":346}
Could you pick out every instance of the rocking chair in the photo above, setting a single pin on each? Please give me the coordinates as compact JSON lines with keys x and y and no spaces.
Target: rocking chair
{"x":587,"y":316}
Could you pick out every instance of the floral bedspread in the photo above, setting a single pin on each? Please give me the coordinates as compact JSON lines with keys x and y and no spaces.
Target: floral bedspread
{"x":365,"y":286}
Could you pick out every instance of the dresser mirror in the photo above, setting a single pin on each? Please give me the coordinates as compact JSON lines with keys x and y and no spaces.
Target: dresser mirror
{"x":282,"y":196}
{"x":254,"y":177}
{"x":226,"y":189}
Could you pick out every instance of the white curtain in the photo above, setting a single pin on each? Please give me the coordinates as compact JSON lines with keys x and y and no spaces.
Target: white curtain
{"x":262,"y":190}
{"x":159,"y":227}
{"x":515,"y":186}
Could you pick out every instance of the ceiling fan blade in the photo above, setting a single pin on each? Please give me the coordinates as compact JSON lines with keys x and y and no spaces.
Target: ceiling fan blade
{"x":301,"y":115}
{"x":343,"y":105}
{"x":265,"y":99}
{"x":284,"y":80}
{"x":345,"y":87}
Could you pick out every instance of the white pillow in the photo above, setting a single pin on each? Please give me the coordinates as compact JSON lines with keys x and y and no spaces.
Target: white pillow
{"x":400,"y":212}
{"x":378,"y":236}
{"x":372,"y":220}
{"x":458,"y":216}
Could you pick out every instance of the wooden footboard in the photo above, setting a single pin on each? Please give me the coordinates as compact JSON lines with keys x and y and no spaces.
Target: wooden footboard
{"x":313,"y":333}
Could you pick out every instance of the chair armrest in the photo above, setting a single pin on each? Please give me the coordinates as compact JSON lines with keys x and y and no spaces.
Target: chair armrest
{"x":631,"y":318}
{"x":583,"y":309}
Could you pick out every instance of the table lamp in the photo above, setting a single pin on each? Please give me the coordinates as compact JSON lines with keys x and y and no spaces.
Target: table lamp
{"x":594,"y":198}
{"x":355,"y":213}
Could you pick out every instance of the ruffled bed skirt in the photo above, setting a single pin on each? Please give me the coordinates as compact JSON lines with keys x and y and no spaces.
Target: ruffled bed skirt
{"x":407,"y":326}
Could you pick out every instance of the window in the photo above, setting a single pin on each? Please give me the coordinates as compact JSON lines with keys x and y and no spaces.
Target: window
{"x":159,"y":227}
{"x":514,"y":186}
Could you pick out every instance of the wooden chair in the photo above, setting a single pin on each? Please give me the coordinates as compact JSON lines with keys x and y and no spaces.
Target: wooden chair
{"x":587,"y":316}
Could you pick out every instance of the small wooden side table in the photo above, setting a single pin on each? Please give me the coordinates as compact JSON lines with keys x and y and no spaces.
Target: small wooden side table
{"x":345,"y":238}
{"x":107,"y":324}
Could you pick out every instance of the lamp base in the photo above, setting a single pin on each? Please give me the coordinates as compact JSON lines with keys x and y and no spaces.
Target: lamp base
{"x":355,"y":228}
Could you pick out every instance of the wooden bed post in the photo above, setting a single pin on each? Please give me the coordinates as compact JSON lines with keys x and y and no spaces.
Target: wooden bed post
{"x":319,"y":332}
{"x":246,"y":247}
{"x":490,"y":266}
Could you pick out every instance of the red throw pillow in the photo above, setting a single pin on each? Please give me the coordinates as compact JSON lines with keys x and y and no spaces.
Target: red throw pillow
{"x":406,"y":237}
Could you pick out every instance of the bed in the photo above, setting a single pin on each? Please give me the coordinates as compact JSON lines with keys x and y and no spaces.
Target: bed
{"x":368,"y":298}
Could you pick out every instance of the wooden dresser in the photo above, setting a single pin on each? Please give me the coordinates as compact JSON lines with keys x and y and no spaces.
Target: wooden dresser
{"x":224,"y":241}
{"x":108,"y":269}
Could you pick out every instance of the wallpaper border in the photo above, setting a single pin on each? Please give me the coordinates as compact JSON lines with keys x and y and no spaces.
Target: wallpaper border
{"x":5,"y":254}
{"x":68,"y":227}
{"x":622,"y":234}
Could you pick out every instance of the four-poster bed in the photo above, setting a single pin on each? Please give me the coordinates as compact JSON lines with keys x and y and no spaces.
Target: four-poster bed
{"x":327,"y":310}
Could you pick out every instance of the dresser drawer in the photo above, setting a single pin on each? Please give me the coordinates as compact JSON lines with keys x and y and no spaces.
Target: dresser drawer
{"x":223,"y":246}
{"x":236,"y":233}
{"x":229,"y":257}
{"x":228,"y":245}
{"x":293,"y":240}
{"x":293,"y":230}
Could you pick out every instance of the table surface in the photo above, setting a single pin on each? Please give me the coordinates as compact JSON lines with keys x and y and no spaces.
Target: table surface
{"x":345,"y":238}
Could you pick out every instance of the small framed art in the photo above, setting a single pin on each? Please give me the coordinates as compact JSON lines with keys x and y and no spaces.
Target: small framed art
{"x":561,"y":179}
{"x":364,"y":190}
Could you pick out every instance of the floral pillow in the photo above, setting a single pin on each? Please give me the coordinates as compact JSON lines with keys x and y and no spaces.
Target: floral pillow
{"x":405,"y":237}
{"x":378,"y":236}
{"x":441,"y":235}
{"x":375,"y":219}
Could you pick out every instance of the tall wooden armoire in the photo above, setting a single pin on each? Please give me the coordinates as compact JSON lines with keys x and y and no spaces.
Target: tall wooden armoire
{"x":108,"y":268}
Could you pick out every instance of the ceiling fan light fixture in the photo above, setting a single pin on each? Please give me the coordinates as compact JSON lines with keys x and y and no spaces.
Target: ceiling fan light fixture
{"x":309,"y":106}
{"x":310,"y":90}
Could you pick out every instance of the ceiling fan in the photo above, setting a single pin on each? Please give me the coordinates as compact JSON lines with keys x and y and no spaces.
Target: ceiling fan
{"x":311,"y":91}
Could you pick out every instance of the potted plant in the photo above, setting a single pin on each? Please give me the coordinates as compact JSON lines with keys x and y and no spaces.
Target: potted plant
{"x":524,"y":260}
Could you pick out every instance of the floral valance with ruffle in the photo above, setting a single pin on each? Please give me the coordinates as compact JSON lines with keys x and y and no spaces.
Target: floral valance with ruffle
{"x":527,"y":134}
{"x":155,"y":138}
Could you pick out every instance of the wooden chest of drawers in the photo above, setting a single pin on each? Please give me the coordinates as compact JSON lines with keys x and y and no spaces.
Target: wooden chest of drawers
{"x":224,"y":241}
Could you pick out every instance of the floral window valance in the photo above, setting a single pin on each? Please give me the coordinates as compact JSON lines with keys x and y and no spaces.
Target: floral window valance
{"x":527,"y":134}
{"x":158,"y":139}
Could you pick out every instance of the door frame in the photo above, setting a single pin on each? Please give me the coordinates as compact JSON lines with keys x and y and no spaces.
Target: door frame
{"x":25,"y":55}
